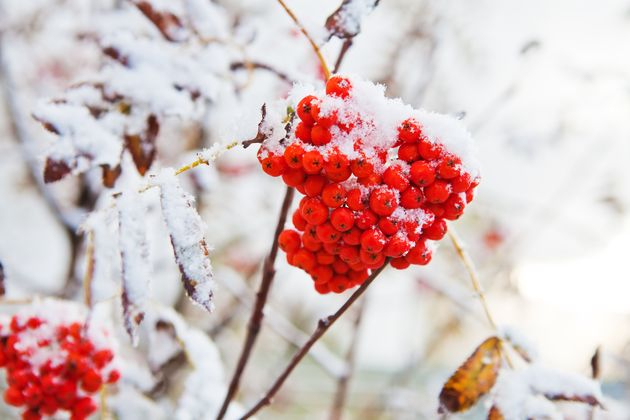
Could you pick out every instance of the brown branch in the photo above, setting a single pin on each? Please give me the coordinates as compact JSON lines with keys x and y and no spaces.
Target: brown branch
{"x":268,"y":273}
{"x":322,"y":326}
{"x":262,"y":66}
{"x":342,"y":383}
{"x":347,"y":43}
{"x":310,"y":40}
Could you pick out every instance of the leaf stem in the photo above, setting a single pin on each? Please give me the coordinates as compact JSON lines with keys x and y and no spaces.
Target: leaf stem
{"x":310,"y":40}
{"x":322,"y":327}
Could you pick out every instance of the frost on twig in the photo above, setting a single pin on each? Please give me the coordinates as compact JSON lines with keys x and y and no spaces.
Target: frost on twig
{"x":186,"y":229}
{"x":134,"y":252}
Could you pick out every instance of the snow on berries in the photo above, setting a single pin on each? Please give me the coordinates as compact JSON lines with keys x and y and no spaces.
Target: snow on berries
{"x":54,"y":361}
{"x":379,"y":180}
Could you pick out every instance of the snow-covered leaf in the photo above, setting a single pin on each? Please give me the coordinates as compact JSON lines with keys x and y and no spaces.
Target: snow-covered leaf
{"x":189,"y":245}
{"x":142,"y":145}
{"x":473,"y":379}
{"x":345,"y":22}
{"x":167,"y":22}
{"x":134,"y":251}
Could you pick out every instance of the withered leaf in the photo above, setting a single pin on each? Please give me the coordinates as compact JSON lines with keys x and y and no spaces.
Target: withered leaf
{"x":473,"y":379}
{"x":345,"y":22}
{"x":169,"y":25}
{"x":142,"y":146}
{"x":587,"y":399}
{"x":110,"y":175}
{"x":495,"y":413}
{"x":54,"y":170}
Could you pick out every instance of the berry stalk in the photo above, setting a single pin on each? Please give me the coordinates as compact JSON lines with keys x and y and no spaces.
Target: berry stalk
{"x":257,"y":315}
{"x":322,"y":327}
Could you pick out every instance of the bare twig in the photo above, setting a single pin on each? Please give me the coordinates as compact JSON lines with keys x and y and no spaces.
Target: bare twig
{"x":322,"y":326}
{"x":89,"y":270}
{"x":347,"y":43}
{"x":342,"y":383}
{"x":262,"y":66}
{"x":310,"y":40}
{"x":256,"y":318}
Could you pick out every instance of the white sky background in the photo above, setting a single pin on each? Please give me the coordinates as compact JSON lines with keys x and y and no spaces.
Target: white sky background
{"x":552,"y":125}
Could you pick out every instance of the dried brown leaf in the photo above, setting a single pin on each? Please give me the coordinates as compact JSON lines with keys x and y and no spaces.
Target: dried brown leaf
{"x":142,"y":146}
{"x":345,"y":22}
{"x":495,"y":413}
{"x":169,"y":25}
{"x":473,"y":379}
{"x":110,"y":175}
{"x":54,"y":170}
{"x":587,"y":399}
{"x":596,"y":363}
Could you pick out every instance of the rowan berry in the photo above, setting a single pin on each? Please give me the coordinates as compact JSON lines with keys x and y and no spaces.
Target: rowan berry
{"x":314,"y":184}
{"x":454,"y":207}
{"x":422,"y":173}
{"x":304,"y":109}
{"x":383,"y":201}
{"x":373,"y":240}
{"x":293,"y":177}
{"x":399,"y":263}
{"x":461,"y":183}
{"x":355,"y":200}
{"x":395,"y":178}
{"x":388,"y":225}
{"x":322,"y":274}
{"x":365,"y":219}
{"x":289,"y":241}
{"x":436,"y":230}
{"x":412,"y":198}
{"x":408,"y":152}
{"x":334,"y":195}
{"x":349,"y":254}
{"x":342,"y":219}
{"x":304,"y":259}
{"x":353,"y":236}
{"x":274,"y":165}
{"x":324,"y":258}
{"x":313,"y":162}
{"x":303,"y":132}
{"x":438,"y":192}
{"x":449,"y":167}
{"x":298,"y":221}
{"x":293,"y":156}
{"x":327,"y":233}
{"x":429,"y":150}
{"x":338,"y":86}
{"x":409,"y":131}
{"x":320,"y":135}
{"x":314,"y":211}
{"x":361,"y":167}
{"x":397,"y":246}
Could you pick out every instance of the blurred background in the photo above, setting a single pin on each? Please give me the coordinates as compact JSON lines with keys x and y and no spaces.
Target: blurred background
{"x":544,"y":87}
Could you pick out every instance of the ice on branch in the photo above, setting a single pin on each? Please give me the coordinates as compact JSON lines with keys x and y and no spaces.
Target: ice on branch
{"x":186,"y":229}
{"x":134,"y":252}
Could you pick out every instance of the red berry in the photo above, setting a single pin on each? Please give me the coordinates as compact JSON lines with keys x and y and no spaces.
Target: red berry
{"x":399,"y":263}
{"x":82,"y":408}
{"x":470,"y":194}
{"x":293,"y":156}
{"x":388,"y":225}
{"x":365,"y":219}
{"x":412,"y":198}
{"x":408,"y":152}
{"x":354,"y":200}
{"x":333,"y":248}
{"x":437,"y":192}
{"x":91,"y":381}
{"x":289,"y":241}
{"x":298,"y":220}
{"x":461,"y":183}
{"x":313,"y":162}
{"x":397,"y":246}
{"x":422,"y":173}
{"x":304,"y":109}
{"x":409,"y":131}
{"x":337,"y":167}
{"x":339,"y":283}
{"x":349,"y":254}
{"x":13,"y":396}
{"x":338,"y":86}
{"x":371,"y":259}
{"x":339,"y":266}
{"x":320,"y":135}
{"x":383,"y":201}
{"x":304,"y":259}
{"x":334,"y":195}
{"x":303,"y":132}
{"x":373,"y":240}
{"x":327,"y":233}
{"x":293,"y":177}
{"x":113,"y":377}
{"x":454,"y":207}
{"x":314,"y":184}
{"x":314,"y":211}
{"x":449,"y":167}
{"x":395,"y":178}
{"x":429,"y":150}
{"x":419,"y":255}
{"x":322,"y":274}
{"x":357,"y":276}
{"x":322,"y":288}
{"x":342,"y":219}
{"x":436,"y":230}
{"x":324,"y":120}
{"x":353,"y":236}
{"x":33,"y":322}
{"x":361,"y":167}
{"x":31,"y":414}
{"x":274,"y":165}
{"x":372,"y":179}
{"x":324,"y":258}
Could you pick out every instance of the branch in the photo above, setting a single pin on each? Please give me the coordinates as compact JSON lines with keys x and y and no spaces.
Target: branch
{"x":322,"y":326}
{"x":250,"y":65}
{"x":255,"y":321}
{"x":343,"y":381}
{"x":347,"y":43}
{"x":310,"y":40}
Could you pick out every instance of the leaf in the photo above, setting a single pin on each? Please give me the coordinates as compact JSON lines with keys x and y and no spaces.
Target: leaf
{"x":596,"y":362}
{"x":134,"y":252}
{"x":495,"y":413}
{"x":54,"y":170}
{"x":142,"y":146}
{"x":110,"y":175}
{"x":587,"y":399}
{"x":473,"y":379}
{"x":169,"y":25}
{"x":185,"y":229}
{"x":345,"y":22}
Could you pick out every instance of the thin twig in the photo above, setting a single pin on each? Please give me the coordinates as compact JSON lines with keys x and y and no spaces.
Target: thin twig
{"x":341,"y":393}
{"x":255,"y":322}
{"x":322,"y":326}
{"x":262,"y":66}
{"x":347,"y":43}
{"x":310,"y":40}
{"x":89,"y":270}
{"x":476,"y":284}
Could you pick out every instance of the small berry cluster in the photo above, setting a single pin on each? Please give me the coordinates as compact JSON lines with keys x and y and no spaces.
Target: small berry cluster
{"x":365,"y":202}
{"x":52,"y":367}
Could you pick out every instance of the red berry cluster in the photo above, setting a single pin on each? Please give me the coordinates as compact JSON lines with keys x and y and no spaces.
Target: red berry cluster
{"x":359,"y":209}
{"x":53,"y":367}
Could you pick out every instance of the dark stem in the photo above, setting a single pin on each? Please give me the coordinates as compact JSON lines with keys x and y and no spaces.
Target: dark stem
{"x":255,"y":321}
{"x":347,"y":43}
{"x":261,"y":66}
{"x":341,"y":394}
{"x":322,"y":326}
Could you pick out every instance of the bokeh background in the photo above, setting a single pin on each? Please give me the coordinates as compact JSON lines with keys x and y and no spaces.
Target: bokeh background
{"x":544,"y":87}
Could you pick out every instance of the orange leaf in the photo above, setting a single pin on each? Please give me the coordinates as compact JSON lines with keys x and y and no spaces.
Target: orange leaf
{"x":473,"y":379}
{"x":495,"y":413}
